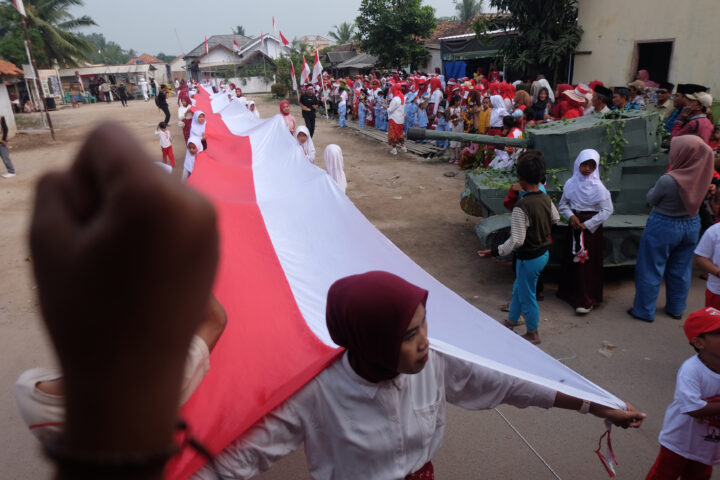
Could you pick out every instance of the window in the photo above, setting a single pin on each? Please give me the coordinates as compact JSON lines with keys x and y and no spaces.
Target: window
{"x":655,"y":58}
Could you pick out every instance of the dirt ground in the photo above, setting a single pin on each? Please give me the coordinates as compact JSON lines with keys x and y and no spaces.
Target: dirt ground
{"x":410,"y":200}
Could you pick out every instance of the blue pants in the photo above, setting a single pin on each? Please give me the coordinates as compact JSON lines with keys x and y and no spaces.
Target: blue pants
{"x":524,"y":298}
{"x":342,"y":110}
{"x":666,"y":248}
{"x":361,"y":119}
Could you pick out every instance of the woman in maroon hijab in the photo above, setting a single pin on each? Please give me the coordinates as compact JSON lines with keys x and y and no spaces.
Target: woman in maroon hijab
{"x":379,"y":411}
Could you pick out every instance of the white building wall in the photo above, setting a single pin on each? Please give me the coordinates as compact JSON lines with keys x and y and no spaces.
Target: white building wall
{"x":6,"y":110}
{"x":219,"y":55}
{"x":252,"y":85}
{"x":613,"y":27}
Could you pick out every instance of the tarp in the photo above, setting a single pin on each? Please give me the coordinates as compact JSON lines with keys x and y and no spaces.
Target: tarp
{"x":287,"y":232}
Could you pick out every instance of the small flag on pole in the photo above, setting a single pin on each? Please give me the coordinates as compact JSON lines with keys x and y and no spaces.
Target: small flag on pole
{"x":262,"y":38}
{"x":236,"y":47}
{"x":206,"y":45}
{"x":305,"y":74}
{"x":20,"y":7}
{"x":294,"y":82}
{"x":274,"y":29}
{"x":284,"y":40}
{"x":317,"y":68}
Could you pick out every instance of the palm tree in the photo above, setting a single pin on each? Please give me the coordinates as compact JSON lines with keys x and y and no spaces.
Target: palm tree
{"x":51,"y":19}
{"x":467,"y":9}
{"x":343,"y":33}
{"x":239,"y":30}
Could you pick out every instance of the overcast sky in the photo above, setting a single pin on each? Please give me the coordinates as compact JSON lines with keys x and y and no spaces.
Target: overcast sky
{"x":149,"y":26}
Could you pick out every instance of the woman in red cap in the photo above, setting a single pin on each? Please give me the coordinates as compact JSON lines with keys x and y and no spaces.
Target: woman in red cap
{"x":379,"y":411}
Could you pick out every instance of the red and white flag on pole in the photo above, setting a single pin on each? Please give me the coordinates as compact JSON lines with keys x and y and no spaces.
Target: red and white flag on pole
{"x":274,"y":29}
{"x":317,"y":68}
{"x":236,"y":47}
{"x":305,"y":74}
{"x":284,"y":40}
{"x":262,"y":38}
{"x":294,"y":81}
{"x":206,"y":45}
{"x":20,"y":7}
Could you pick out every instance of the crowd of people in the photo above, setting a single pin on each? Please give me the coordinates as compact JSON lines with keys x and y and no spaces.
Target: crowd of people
{"x":377,"y":317}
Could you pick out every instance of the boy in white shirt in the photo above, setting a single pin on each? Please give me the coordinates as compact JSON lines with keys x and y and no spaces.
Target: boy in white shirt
{"x":707,"y":256}
{"x":690,"y":437}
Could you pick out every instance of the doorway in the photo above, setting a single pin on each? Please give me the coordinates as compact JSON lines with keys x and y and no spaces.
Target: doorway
{"x":655,"y":58}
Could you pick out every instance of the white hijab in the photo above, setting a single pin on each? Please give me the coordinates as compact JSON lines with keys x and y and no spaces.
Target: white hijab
{"x":197,"y":129}
{"x":586,"y":190}
{"x":256,"y":111}
{"x":498,"y":111}
{"x":189,"y":164}
{"x":334,"y":165}
{"x":308,"y":147}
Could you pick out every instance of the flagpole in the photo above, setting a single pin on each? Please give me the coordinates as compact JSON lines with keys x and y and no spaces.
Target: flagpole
{"x":38,"y":85}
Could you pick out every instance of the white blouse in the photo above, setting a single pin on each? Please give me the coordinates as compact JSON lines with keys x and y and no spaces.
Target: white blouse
{"x":603,"y":209}
{"x":354,"y":429}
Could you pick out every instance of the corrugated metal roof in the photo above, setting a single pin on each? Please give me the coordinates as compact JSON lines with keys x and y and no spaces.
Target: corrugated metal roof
{"x":364,"y":60}
{"x":215,"y":40}
{"x":339,"y":57}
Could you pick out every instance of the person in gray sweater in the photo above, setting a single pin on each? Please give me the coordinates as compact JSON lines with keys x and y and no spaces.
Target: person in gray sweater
{"x":672,"y":230}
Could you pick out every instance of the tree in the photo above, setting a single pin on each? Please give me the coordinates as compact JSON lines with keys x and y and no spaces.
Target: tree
{"x":393,"y":30}
{"x":547,"y":33}
{"x":298,"y":51}
{"x":343,"y":33}
{"x":239,"y":30}
{"x":467,"y":9}
{"x":165,"y":58}
{"x":104,"y":51}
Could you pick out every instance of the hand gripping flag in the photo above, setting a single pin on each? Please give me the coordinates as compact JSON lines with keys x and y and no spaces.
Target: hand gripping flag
{"x":284,"y":40}
{"x":20,"y":7}
{"x":317,"y":68}
{"x":305,"y":74}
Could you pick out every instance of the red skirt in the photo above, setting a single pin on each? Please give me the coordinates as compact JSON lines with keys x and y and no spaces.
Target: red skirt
{"x":712,"y":299}
{"x":396,"y":135}
{"x":425,"y":473}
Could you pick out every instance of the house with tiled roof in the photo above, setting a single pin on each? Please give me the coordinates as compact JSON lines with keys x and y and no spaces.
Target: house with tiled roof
{"x":9,"y":73}
{"x":234,"y":52}
{"x":143,"y":59}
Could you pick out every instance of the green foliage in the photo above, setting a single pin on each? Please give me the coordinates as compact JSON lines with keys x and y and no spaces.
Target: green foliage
{"x":393,"y":30}
{"x":165,"y":58}
{"x":103,"y":51}
{"x":343,"y":33}
{"x":266,"y":72}
{"x":51,"y":23}
{"x":467,"y":9}
{"x":614,"y":133}
{"x":12,"y":42}
{"x":298,"y":50}
{"x":239,"y":30}
{"x":547,"y":32}
{"x":279,"y":90}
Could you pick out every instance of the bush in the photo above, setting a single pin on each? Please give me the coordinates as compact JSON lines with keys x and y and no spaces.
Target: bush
{"x":278,"y":90}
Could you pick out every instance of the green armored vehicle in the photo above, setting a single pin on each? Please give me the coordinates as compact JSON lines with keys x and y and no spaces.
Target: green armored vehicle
{"x":631,"y":163}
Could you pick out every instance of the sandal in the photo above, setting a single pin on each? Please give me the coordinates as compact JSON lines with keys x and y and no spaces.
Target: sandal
{"x":535,"y":340}
{"x":512,"y":325}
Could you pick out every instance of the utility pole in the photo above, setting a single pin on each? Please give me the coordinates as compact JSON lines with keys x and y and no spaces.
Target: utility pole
{"x":28,"y":47}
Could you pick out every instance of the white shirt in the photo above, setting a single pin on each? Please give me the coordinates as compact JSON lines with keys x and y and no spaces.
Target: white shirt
{"x":396,"y":111}
{"x":164,"y":135}
{"x":182,"y":110}
{"x":343,"y":97}
{"x":356,"y":429}
{"x":709,"y":247}
{"x":435,"y":99}
{"x":604,"y":209}
{"x":693,"y":438}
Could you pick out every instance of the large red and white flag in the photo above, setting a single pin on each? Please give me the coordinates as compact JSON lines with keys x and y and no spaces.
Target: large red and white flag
{"x":294,"y":81}
{"x":284,"y":40}
{"x":273,"y":281}
{"x":305,"y":74}
{"x":317,"y":68}
{"x":236,"y":47}
{"x":20,"y":7}
{"x":206,"y":45}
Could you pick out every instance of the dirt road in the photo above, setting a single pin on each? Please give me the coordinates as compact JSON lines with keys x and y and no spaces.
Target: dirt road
{"x":417,"y":207}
